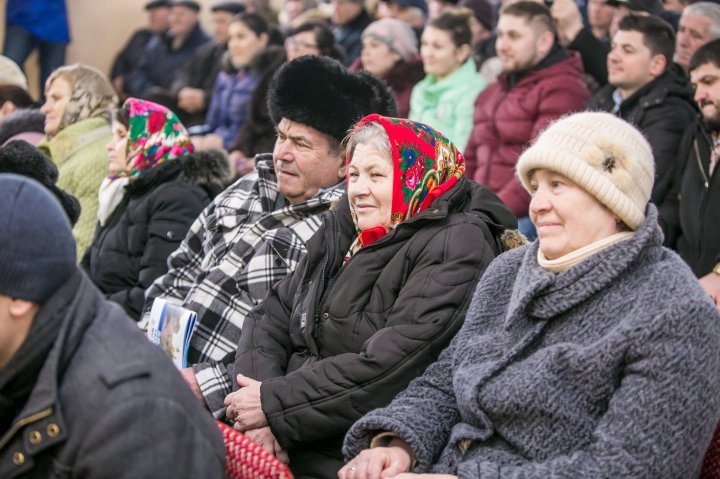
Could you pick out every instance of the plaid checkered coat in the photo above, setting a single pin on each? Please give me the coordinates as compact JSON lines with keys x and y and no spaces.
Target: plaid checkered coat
{"x":248,"y":238}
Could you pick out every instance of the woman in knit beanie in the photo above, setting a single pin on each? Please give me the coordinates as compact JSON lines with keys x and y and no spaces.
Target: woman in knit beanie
{"x":592,"y":352}
{"x":155,"y":189}
{"x":390,"y":52}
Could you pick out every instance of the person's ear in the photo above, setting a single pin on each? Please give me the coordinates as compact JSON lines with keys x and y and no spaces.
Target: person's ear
{"x":7,"y":108}
{"x":544,"y":42}
{"x":20,"y":308}
{"x":342,"y":167}
{"x":264,"y":39}
{"x":658,"y":63}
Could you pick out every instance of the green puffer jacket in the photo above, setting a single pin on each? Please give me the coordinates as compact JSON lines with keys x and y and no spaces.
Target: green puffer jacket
{"x":448,"y":104}
{"x":79,"y":153}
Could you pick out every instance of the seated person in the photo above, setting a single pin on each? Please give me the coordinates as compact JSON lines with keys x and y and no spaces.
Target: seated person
{"x":592,"y":352}
{"x":383,"y":289}
{"x":249,"y":35}
{"x":156,"y":188}
{"x":82,"y":392}
{"x":255,"y":232}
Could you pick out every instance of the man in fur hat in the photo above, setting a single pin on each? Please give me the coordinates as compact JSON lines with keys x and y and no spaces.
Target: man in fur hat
{"x":254,"y":233}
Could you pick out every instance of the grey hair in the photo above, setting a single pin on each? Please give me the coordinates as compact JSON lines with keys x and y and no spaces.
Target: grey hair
{"x":706,"y":9}
{"x":372,"y":133}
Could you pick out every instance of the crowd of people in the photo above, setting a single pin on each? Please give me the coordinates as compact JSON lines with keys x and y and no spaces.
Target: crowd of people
{"x":444,"y":239}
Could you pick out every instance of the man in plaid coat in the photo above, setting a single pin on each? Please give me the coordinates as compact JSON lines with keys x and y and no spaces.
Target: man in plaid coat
{"x":254,"y":233}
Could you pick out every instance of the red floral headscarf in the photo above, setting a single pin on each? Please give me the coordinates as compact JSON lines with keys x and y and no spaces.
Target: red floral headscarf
{"x":425,"y":165}
{"x":155,"y":135}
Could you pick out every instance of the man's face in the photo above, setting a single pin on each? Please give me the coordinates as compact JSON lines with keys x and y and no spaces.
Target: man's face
{"x":220,"y":23}
{"x":182,"y":20}
{"x":600,"y":14}
{"x":303,"y":161}
{"x":158,"y":19}
{"x":693,"y":32}
{"x":630,"y":63}
{"x":344,"y":11}
{"x":706,"y":81}
{"x":520,"y":45}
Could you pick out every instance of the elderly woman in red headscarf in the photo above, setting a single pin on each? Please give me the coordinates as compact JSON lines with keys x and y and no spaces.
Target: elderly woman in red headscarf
{"x":383,"y":289}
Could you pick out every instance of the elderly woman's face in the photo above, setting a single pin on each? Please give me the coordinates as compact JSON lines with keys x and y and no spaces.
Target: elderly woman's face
{"x":370,"y":181}
{"x":377,"y":58}
{"x":57,"y":96}
{"x":117,"y":148}
{"x":566,"y":216}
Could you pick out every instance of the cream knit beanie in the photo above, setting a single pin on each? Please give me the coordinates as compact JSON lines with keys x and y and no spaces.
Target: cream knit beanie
{"x":606,"y":156}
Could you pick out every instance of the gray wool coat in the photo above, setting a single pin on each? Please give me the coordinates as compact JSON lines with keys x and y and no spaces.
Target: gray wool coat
{"x":609,"y":369}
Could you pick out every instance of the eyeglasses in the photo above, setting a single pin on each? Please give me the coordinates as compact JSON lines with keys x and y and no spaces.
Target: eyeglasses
{"x":292,"y":42}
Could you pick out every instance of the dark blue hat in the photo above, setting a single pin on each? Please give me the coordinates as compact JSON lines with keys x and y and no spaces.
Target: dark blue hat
{"x":231,"y":7}
{"x":38,"y":249}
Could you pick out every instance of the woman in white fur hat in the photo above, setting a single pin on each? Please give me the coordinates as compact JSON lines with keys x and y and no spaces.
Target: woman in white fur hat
{"x":592,"y":352}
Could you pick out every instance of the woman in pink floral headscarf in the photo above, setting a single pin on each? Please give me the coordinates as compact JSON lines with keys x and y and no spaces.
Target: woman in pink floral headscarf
{"x":383,"y":289}
{"x":155,"y":189}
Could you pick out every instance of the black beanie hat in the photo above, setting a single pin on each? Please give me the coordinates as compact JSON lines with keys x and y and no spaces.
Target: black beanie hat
{"x":38,"y":249}
{"x":321,"y":93}
{"x":21,"y":158}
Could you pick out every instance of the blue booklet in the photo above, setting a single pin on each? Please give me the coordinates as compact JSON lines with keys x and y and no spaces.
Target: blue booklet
{"x":171,"y":326}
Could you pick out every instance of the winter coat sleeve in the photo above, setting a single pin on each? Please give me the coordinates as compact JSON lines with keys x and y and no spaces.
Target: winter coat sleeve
{"x":174,"y":209}
{"x":630,"y":439}
{"x":594,"y":55}
{"x":429,"y":309}
{"x":429,"y":400}
{"x":171,"y":446}
{"x":664,"y":129}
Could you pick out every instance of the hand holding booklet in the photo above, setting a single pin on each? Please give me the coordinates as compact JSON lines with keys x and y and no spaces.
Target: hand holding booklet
{"x":170,"y":326}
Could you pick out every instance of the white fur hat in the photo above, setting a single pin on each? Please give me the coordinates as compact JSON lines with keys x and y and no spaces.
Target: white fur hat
{"x":606,"y":156}
{"x":11,"y":74}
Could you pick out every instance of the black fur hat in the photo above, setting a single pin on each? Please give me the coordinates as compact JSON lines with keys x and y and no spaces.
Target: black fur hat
{"x":321,"y":93}
{"x":21,"y":158}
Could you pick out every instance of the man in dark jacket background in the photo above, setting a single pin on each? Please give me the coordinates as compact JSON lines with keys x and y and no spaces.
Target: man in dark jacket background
{"x":82,"y":392}
{"x":698,"y":225}
{"x":165,"y":54}
{"x":541,"y":81}
{"x":646,"y":92}
{"x":131,"y":54}
{"x":189,"y":93}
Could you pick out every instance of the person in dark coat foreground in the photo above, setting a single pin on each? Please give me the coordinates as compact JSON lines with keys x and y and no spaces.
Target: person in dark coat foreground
{"x":82,"y":392}
{"x":382,"y":291}
{"x":592,"y":352}
{"x":156,"y":189}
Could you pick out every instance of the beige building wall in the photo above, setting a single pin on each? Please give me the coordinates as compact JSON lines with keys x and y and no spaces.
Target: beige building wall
{"x":99,"y":29}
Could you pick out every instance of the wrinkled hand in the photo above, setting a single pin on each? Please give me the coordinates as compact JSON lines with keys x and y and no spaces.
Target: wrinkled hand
{"x":189,"y":376}
{"x":711,"y":284}
{"x":244,"y":406}
{"x":568,"y":20}
{"x":265,"y":439}
{"x":192,"y":100}
{"x":379,"y":462}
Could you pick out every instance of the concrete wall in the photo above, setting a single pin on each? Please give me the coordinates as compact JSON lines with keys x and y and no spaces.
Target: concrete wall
{"x":99,"y":28}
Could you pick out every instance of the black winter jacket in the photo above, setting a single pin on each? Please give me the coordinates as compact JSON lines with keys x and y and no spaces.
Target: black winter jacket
{"x":107,"y":403}
{"x":663,"y":110}
{"x":131,"y":250}
{"x":694,"y":231}
{"x":332,"y":342}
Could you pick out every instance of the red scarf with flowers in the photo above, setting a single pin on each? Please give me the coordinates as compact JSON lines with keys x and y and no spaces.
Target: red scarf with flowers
{"x":425,"y":165}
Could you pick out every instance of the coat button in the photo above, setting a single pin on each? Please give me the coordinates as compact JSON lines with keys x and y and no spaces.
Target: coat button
{"x":35,"y":437}
{"x":53,"y":430}
{"x":18,"y":458}
{"x":326,"y":315}
{"x":169,"y":234}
